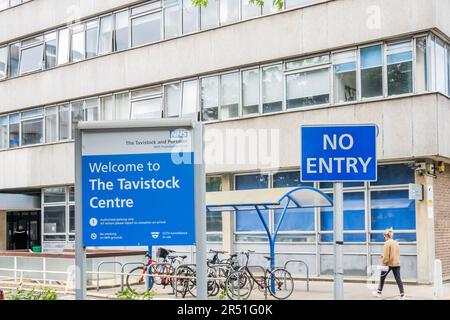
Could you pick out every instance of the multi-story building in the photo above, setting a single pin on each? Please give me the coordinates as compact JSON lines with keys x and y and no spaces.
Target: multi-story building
{"x":246,"y":69}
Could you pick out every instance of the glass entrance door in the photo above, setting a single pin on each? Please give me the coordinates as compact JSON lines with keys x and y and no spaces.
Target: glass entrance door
{"x":24,"y":230}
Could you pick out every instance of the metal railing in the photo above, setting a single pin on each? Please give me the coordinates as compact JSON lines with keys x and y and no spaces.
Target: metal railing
{"x":306,"y":266}
{"x":19,"y":275}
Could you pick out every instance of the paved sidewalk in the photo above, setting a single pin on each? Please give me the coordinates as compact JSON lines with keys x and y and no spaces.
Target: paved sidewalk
{"x":319,"y":290}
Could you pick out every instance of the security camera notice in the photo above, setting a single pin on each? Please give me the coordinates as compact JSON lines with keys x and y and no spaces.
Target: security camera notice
{"x":137,"y":199}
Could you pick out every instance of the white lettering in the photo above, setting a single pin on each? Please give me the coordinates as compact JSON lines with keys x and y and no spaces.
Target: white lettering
{"x":350,"y":142}
{"x":327,"y":141}
{"x":351,"y":163}
{"x":365,"y":164}
{"x":310,"y":165}
{"x":97,"y":203}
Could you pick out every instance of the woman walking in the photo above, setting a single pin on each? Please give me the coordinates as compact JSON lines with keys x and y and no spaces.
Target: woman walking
{"x":390,"y":262}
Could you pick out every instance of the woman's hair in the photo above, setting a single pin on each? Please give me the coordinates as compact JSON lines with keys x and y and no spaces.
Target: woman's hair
{"x":389,"y":233}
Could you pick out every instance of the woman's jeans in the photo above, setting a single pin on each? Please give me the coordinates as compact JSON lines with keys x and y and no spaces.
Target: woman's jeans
{"x":396,"y":271}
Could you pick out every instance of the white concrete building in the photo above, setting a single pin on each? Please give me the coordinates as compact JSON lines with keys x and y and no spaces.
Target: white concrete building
{"x":253,"y":75}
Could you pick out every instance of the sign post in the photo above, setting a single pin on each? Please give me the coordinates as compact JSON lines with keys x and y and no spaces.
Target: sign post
{"x":140,"y":183}
{"x":338,"y":193}
{"x":338,"y":154}
{"x":80,"y":250}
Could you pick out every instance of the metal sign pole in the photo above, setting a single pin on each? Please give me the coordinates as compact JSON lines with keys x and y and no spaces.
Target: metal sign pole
{"x":200,"y":213}
{"x":80,"y":250}
{"x":339,"y":240}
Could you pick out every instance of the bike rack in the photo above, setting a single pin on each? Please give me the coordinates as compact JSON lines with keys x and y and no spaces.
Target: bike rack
{"x":263,"y":272}
{"x":123,"y":272}
{"x":175,"y":276}
{"x":307,"y":270}
{"x":98,"y":273}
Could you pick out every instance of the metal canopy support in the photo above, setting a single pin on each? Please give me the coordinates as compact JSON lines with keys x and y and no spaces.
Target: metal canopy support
{"x":290,"y":200}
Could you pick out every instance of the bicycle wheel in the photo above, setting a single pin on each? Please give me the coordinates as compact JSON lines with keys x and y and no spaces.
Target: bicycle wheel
{"x":182,"y":282}
{"x":212,"y":286}
{"x":283,"y":284}
{"x":139,"y":281}
{"x":161,"y":274}
{"x":238,"y":286}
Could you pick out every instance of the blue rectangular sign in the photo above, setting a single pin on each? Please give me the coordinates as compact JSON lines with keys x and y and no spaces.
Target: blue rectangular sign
{"x":138,"y":199}
{"x":338,"y":153}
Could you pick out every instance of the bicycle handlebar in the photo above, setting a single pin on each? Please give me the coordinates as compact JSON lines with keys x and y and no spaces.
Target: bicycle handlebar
{"x":217,"y":251}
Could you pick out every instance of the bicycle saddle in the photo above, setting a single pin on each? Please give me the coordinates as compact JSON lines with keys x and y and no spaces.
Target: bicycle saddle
{"x":268,"y":258}
{"x":174,"y":257}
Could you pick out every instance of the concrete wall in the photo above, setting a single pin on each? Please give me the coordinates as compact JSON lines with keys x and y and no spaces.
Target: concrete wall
{"x":443,"y":125}
{"x":37,"y":166}
{"x":274,"y":37}
{"x":442,"y":220}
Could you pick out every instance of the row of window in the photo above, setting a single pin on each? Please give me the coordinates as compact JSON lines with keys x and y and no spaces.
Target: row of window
{"x":132,"y":27}
{"x":368,"y":209}
{"x":6,"y":4}
{"x":374,"y":71}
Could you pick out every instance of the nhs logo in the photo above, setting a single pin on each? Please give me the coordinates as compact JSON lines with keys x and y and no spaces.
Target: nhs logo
{"x":179,"y":134}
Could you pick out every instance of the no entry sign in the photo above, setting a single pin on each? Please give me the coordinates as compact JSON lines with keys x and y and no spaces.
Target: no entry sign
{"x":339,"y":153}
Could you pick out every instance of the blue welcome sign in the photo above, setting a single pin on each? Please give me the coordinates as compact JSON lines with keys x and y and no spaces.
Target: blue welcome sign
{"x":338,"y":153}
{"x":138,"y":188}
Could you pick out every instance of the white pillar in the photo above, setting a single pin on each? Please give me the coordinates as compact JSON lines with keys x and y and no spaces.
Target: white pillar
{"x":438,"y":284}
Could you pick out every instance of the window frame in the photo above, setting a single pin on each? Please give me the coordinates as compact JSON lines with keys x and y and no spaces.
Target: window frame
{"x":356,"y":50}
{"x":383,"y":72}
{"x":29,"y":47}
{"x":115,"y":13}
{"x":148,"y":97}
{"x":74,"y":31}
{"x":239,"y":90}
{"x":146,"y":13}
{"x":31,"y":118}
{"x":56,"y":107}
{"x":329,"y":68}
{"x":386,"y":53}
{"x":56,"y":32}
{"x":197,"y":96}
{"x":241,"y":84}
{"x":283,"y":87}
{"x":88,"y":26}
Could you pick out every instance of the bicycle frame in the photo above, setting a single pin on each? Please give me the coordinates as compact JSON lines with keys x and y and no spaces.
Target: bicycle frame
{"x":153,"y":267}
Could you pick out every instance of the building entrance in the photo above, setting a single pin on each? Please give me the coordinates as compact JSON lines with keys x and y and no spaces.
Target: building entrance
{"x":24,"y":230}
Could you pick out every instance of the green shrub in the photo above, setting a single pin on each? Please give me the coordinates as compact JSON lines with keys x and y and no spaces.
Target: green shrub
{"x":128,"y":294}
{"x":33,"y":294}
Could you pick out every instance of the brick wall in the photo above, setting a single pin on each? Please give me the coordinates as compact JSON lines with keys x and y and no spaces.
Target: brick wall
{"x":442,"y":219}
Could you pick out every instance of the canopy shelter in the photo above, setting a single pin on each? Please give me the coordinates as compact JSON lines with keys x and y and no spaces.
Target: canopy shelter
{"x":258,"y":200}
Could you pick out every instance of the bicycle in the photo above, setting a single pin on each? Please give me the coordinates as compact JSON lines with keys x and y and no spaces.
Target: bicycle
{"x":143,"y":278}
{"x":239,"y":284}
{"x":221,"y":268}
